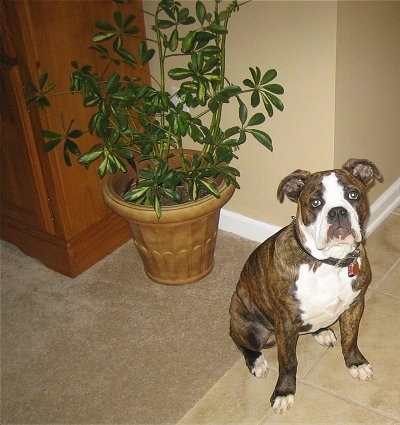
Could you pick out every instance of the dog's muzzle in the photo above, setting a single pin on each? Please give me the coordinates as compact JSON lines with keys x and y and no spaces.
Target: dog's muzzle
{"x":339,"y":223}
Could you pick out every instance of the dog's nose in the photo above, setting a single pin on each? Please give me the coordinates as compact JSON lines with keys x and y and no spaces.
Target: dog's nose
{"x":337,"y":213}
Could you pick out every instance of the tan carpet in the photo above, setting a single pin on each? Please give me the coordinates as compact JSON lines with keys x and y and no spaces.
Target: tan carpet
{"x":111,"y":346}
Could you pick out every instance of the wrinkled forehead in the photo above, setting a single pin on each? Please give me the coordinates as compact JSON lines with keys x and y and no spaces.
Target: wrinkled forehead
{"x":329,"y":183}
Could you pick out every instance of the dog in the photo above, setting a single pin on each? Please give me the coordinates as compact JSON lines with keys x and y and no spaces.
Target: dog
{"x":307,"y":276}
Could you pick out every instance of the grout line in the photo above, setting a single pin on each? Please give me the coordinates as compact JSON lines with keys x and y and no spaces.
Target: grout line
{"x":209,"y":390}
{"x":382,"y":280}
{"x":351,"y":400}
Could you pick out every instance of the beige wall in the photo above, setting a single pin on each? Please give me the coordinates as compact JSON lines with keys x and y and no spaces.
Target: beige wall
{"x":334,"y":96}
{"x":367,"y":118}
{"x":298,"y":39}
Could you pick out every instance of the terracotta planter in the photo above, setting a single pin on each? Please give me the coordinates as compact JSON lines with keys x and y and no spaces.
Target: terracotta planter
{"x":179,"y":248}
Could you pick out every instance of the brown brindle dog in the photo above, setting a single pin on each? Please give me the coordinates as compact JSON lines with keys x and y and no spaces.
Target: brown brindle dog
{"x":307,"y":276}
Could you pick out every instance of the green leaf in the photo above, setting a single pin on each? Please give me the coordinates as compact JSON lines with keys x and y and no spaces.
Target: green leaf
{"x":274,"y":88}
{"x":103,"y":25}
{"x":48,"y":134}
{"x":30,"y":99}
{"x":122,"y":120}
{"x":72,"y":147}
{"x":125,"y":153}
{"x":255,"y":99}
{"x":256,"y":74}
{"x":74,"y":134}
{"x":217,"y":29}
{"x":200,"y":11}
{"x":91,"y":100}
{"x":42,"y":102}
{"x":183,"y":14}
{"x":102,"y":36}
{"x":127,"y":21}
{"x":92,"y":155}
{"x":268,"y":76}
{"x":133,"y":195}
{"x":145,"y":54}
{"x":202,"y":39}
{"x":43,"y":79}
{"x":48,"y":88}
{"x":179,"y":73}
{"x":229,"y":91}
{"x":172,"y":195}
{"x":117,"y":43}
{"x":256,"y":119}
{"x":164,"y":24}
{"x":157,"y":206}
{"x":48,"y":146}
{"x":211,"y":187}
{"x":127,"y":56}
{"x":173,"y":40}
{"x":118,"y":18}
{"x":131,"y":30}
{"x":275,"y":101}
{"x":113,"y":83}
{"x":231,"y":131}
{"x":242,"y":112}
{"x":262,"y":137}
{"x":103,"y":168}
{"x":248,"y":83}
{"x":267,"y":105}
{"x":32,"y":87}
{"x":188,"y":41}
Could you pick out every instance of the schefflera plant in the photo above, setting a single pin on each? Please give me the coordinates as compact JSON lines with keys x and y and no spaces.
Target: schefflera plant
{"x":136,"y":122}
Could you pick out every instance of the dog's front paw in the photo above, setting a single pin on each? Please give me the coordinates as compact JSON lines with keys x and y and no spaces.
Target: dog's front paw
{"x":260,"y":368}
{"x":283,"y":403}
{"x":325,"y":337}
{"x":363,"y":372}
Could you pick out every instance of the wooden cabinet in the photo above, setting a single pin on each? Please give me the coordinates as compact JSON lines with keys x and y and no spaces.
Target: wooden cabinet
{"x":50,"y":211}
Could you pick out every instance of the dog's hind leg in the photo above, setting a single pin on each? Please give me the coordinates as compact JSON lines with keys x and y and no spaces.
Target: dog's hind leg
{"x":251,"y":338}
{"x":256,"y":362}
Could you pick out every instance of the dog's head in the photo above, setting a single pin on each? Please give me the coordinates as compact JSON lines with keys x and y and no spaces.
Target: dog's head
{"x":332,"y":206}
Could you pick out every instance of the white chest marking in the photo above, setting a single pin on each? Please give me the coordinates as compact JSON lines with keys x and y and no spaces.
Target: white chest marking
{"x":323,"y":295}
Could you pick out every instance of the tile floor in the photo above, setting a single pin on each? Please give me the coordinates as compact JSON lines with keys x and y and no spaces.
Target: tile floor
{"x":326,"y":393}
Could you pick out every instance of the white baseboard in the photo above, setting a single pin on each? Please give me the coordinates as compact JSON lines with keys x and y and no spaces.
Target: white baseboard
{"x":256,"y":230}
{"x":246,"y":227}
{"x":383,"y":206}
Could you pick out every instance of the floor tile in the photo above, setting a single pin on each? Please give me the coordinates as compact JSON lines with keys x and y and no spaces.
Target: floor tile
{"x":383,"y":248}
{"x":309,"y":351}
{"x":237,"y":398}
{"x":379,"y":338}
{"x":391,"y":284}
{"x":313,"y":406}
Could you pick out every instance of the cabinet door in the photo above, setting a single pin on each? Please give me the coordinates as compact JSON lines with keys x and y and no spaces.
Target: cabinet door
{"x":23,"y":192}
{"x":60,"y":31}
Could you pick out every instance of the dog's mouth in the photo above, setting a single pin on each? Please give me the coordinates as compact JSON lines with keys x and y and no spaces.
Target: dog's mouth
{"x":340,"y":237}
{"x":339,"y":232}
{"x":340,"y":241}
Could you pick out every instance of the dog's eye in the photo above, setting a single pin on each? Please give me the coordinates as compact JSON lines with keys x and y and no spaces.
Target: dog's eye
{"x":316,"y":203}
{"x":353,"y":195}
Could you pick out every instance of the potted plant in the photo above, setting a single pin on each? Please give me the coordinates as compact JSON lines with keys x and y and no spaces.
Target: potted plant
{"x":142,"y":129}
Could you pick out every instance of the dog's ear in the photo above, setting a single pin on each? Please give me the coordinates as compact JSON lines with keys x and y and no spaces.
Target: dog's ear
{"x":363,"y":170}
{"x":292,"y":185}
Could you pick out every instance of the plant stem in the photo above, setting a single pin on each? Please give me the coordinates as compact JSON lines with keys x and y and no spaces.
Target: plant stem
{"x":216,"y":119}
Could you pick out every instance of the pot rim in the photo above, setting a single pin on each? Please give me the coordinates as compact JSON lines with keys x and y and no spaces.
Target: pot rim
{"x":170,"y":213}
